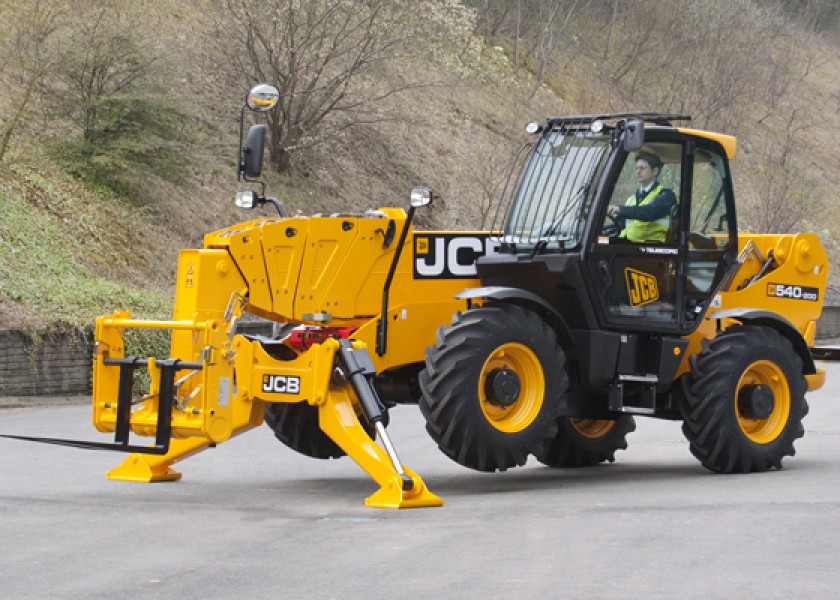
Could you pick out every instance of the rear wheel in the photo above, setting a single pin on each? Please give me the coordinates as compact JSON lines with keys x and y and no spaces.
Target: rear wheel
{"x":744,"y":400}
{"x":490,"y":386}
{"x":586,"y":442}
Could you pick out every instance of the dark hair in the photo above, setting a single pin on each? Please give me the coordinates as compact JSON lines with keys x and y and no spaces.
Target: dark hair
{"x":650,"y":158}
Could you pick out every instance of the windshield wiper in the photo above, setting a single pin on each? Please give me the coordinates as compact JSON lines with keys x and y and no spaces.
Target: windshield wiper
{"x":557,"y":222}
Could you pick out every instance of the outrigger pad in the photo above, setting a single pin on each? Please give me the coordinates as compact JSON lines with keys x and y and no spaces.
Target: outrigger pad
{"x":392,"y":495}
{"x":136,"y":468}
{"x":150,"y":468}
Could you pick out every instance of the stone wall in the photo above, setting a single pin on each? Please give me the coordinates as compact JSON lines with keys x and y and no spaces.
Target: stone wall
{"x":828,"y":327}
{"x":58,"y":362}
{"x":52,"y":362}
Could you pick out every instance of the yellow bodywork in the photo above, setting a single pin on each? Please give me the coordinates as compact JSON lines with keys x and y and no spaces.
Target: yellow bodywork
{"x":729,"y":142}
{"x":802,"y":265}
{"x":330,"y":271}
{"x":308,"y":260}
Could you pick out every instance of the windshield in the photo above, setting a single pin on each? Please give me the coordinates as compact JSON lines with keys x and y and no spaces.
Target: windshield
{"x":551,"y":198}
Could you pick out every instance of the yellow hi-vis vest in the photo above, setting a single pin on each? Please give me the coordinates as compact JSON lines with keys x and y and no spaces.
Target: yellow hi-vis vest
{"x":646,"y":231}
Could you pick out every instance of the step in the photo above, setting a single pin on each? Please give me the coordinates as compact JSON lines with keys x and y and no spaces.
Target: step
{"x":649,"y":379}
{"x":648,"y":384}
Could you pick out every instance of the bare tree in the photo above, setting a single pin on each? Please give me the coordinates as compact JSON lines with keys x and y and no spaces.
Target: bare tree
{"x":108,"y":55}
{"x":487,"y":175}
{"x":555,"y":17}
{"x":785,"y":195}
{"x":493,"y":15}
{"x":320,"y":54}
{"x":723,"y":66}
{"x":27,"y":55}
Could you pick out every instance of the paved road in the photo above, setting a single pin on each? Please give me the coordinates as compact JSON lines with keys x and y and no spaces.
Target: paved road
{"x":253,"y":520}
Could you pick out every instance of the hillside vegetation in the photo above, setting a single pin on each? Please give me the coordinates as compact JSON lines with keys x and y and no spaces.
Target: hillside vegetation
{"x":119,"y":119}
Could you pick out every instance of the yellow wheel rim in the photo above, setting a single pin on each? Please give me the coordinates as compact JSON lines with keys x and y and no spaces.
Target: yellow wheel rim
{"x":521,"y":360}
{"x":764,"y":431}
{"x":592,"y":429}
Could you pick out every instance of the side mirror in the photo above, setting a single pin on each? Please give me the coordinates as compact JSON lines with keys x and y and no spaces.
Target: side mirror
{"x":421,"y":196}
{"x":262,"y":97}
{"x":252,"y":152}
{"x":634,"y":135}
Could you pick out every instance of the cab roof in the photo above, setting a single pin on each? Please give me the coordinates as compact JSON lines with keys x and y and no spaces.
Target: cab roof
{"x":654,"y":119}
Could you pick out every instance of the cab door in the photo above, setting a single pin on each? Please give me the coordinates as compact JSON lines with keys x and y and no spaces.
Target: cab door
{"x":663,"y":286}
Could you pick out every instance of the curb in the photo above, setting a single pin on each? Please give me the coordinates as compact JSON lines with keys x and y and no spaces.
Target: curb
{"x":39,"y":401}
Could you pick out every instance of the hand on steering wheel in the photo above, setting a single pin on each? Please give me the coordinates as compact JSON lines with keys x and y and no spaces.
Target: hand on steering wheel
{"x":615,"y":225}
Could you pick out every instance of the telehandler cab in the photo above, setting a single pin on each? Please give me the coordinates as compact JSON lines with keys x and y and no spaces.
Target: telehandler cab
{"x":544,"y":336}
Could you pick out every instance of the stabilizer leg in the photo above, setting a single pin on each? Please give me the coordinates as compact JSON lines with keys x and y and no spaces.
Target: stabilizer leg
{"x":337,"y":418}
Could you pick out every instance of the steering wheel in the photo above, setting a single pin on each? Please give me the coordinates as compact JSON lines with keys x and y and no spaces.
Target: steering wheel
{"x":614,"y":227}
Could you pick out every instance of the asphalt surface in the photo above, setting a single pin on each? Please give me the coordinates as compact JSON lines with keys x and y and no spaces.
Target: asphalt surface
{"x":251,"y":519}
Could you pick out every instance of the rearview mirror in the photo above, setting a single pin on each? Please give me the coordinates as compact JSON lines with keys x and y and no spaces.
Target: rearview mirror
{"x":634,"y":135}
{"x":252,"y":152}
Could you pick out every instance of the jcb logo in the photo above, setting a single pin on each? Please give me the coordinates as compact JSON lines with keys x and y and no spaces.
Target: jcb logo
{"x":281,"y":384}
{"x":450,"y":256}
{"x":641,"y":287}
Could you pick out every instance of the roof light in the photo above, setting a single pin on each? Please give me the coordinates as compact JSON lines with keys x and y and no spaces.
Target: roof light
{"x":533,"y":127}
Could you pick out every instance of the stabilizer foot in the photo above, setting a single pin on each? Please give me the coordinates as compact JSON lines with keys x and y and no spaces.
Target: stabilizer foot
{"x":150,"y":468}
{"x":136,"y":468}
{"x":392,"y":495}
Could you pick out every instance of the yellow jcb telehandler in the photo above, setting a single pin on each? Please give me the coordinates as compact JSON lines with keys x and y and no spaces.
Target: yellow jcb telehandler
{"x":544,"y":336}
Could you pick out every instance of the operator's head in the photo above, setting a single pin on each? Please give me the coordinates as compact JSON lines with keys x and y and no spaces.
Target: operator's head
{"x":648,"y":166}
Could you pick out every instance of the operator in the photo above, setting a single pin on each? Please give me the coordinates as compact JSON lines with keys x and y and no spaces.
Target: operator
{"x":647,"y":213}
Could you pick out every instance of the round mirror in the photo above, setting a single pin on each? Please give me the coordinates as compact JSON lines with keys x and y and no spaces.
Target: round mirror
{"x":263,"y":97}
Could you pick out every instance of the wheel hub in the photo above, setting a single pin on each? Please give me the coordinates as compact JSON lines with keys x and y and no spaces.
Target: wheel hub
{"x":756,"y":401}
{"x":502,"y":387}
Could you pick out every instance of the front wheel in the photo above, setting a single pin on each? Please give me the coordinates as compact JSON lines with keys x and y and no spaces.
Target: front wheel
{"x":744,"y":400}
{"x":491,"y":387}
{"x":296,"y":425}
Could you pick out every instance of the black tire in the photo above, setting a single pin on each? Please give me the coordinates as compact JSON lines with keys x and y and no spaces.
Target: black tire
{"x":586,"y":442}
{"x":296,"y":425}
{"x":729,"y":422}
{"x":478,"y":425}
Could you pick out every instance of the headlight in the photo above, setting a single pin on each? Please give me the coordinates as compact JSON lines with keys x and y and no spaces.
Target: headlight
{"x":245,"y":199}
{"x":421,"y":196}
